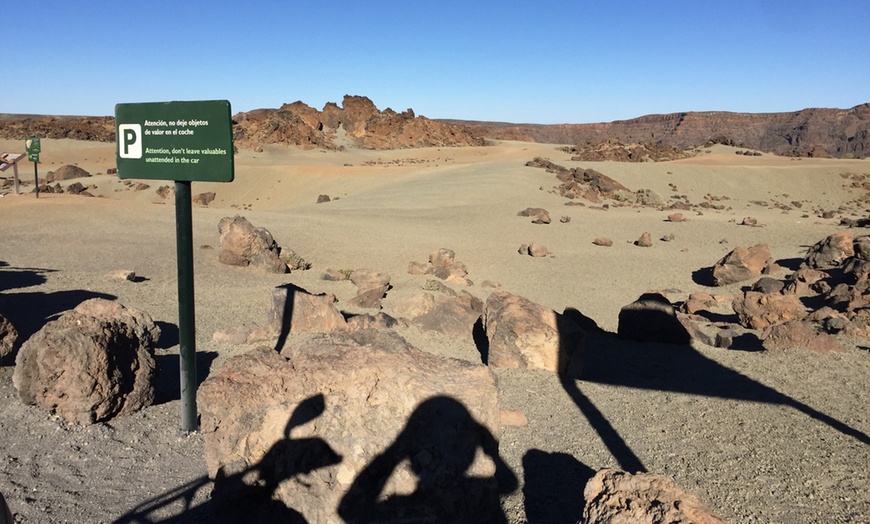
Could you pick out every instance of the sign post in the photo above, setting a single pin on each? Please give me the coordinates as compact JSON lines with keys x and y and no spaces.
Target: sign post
{"x":33,"y":150}
{"x":11,"y":159}
{"x":184,"y":142}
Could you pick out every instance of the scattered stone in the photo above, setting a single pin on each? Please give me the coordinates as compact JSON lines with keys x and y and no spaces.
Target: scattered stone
{"x":538,"y":250}
{"x":698,"y":302}
{"x":802,"y":282}
{"x":335,"y":275}
{"x":92,"y":364}
{"x":442,"y":264}
{"x":366,"y":279}
{"x":337,"y":426}
{"x":614,"y":496}
{"x":295,"y":310}
{"x":454,"y":316}
{"x":370,"y":298}
{"x":768,"y":285}
{"x":323,"y":198}
{"x":645,"y":240}
{"x":523,"y":334}
{"x":758,"y":310}
{"x":676,"y":217}
{"x":378,"y":321}
{"x":241,"y":241}
{"x":414,"y":306}
{"x":565,"y":219}
{"x":8,"y":337}
{"x":797,"y":333}
{"x":539,"y":215}
{"x":830,"y":252}
{"x":741,"y":264}
{"x":749,"y":221}
{"x":203,"y":199}
{"x":122,"y":274}
{"x":668,"y":238}
{"x":491,"y":283}
{"x":66,"y":173}
{"x":651,"y":318}
{"x":512,"y":418}
{"x":603,"y":241}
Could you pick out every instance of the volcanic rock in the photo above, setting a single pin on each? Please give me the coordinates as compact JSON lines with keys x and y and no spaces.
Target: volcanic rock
{"x":797,"y":333}
{"x":523,"y":334}
{"x":295,"y":310}
{"x":645,"y":240}
{"x":352,"y":427}
{"x":241,"y":242}
{"x":93,"y":363}
{"x":8,"y":337}
{"x":454,"y":316}
{"x":741,"y":264}
{"x":66,"y":173}
{"x":614,"y":496}
{"x":830,"y":252}
{"x":758,"y":310}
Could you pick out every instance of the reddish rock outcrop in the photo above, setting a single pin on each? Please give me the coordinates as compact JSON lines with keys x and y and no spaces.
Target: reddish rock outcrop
{"x":357,"y":123}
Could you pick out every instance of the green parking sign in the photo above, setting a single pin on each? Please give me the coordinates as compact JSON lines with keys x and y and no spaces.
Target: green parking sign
{"x":31,"y":143}
{"x":181,"y":141}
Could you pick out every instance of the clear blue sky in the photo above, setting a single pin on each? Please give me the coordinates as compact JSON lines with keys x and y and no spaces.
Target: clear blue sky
{"x":537,"y":61}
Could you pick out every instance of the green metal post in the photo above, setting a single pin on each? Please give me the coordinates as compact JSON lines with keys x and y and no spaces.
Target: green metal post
{"x":36,"y":176}
{"x":186,"y":316}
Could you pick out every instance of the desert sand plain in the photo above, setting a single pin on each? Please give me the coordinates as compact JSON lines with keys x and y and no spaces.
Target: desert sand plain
{"x":759,"y":436}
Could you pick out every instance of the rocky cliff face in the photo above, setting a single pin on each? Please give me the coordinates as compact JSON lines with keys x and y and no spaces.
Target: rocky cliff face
{"x":841,"y":133}
{"x":100,"y":129}
{"x":358,"y":123}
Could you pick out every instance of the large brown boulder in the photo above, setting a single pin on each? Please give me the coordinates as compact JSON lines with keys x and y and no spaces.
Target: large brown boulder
{"x":523,"y":334}
{"x":830,"y":252}
{"x":92,"y":364}
{"x":758,"y":310}
{"x":8,"y":337}
{"x":351,"y":427}
{"x":741,"y":264}
{"x":243,"y":244}
{"x":614,"y":496}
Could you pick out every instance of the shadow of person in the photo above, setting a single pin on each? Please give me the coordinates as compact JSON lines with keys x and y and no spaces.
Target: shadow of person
{"x":248,"y":496}
{"x":440,"y":443}
{"x":551,"y":485}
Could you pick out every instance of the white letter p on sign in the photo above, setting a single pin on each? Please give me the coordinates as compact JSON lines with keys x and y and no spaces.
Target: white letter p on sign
{"x":130,"y":141}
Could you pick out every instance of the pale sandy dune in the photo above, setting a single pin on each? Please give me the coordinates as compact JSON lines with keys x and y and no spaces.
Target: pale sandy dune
{"x":752,"y":458}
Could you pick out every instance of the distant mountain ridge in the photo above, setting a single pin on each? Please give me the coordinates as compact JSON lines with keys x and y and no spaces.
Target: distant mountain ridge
{"x":841,"y":132}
